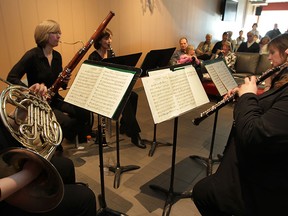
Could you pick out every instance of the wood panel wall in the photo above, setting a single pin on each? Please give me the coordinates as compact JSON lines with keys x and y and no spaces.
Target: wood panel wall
{"x":138,"y":26}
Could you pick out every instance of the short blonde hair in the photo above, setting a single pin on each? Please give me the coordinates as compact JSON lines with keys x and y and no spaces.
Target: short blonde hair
{"x":189,"y":47}
{"x":42,"y":31}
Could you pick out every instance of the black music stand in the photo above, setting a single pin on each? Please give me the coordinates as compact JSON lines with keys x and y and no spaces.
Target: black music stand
{"x":129,"y":60}
{"x":170,"y":193}
{"x":118,"y":170}
{"x":156,"y":59}
{"x":209,"y":162}
{"x":162,"y":88}
{"x":95,"y":102}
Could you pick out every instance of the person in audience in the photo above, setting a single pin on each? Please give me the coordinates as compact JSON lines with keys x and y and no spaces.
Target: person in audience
{"x":247,"y":181}
{"x":227,"y":54}
{"x":190,"y":57}
{"x":250,"y":45}
{"x":274,"y":32}
{"x":43,"y":64}
{"x":254,"y":30}
{"x":233,"y":42}
{"x":264,"y":45}
{"x":218,"y":45}
{"x":183,"y":42}
{"x":239,"y":40}
{"x":128,"y":122}
{"x":204,"y":49}
{"x":77,"y":200}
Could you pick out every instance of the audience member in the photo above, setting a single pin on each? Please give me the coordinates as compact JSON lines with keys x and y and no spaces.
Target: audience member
{"x":227,"y":54}
{"x":247,"y":182}
{"x":255,"y":31}
{"x":183,"y":42}
{"x":43,"y":64}
{"x":250,"y":45}
{"x":78,"y":199}
{"x":128,"y":122}
{"x":190,"y":57}
{"x":274,"y":32}
{"x":233,"y":42}
{"x":204,"y":49}
{"x":264,"y":45}
{"x":218,"y":45}
{"x":239,"y":40}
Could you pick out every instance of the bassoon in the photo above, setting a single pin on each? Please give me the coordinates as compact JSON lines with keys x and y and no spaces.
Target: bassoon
{"x":61,"y":79}
{"x":227,"y":100}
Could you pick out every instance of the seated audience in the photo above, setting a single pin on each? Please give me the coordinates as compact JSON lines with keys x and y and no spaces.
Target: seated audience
{"x":128,"y":122}
{"x":204,"y":49}
{"x":264,"y":45}
{"x":218,"y":45}
{"x":183,"y":42}
{"x":248,"y":181}
{"x":254,"y":30}
{"x":190,"y":57}
{"x":239,"y":40}
{"x":250,"y":45}
{"x":229,"y":56}
{"x":233,"y":42}
{"x":274,"y":32}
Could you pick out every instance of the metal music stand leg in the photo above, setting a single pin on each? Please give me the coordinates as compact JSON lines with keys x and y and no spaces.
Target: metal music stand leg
{"x":171,"y":195}
{"x":154,"y":143}
{"x":104,"y":210}
{"x":208,"y":162}
{"x":118,"y":170}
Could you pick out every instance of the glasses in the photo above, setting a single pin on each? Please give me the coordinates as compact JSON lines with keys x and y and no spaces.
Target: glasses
{"x":57,"y":32}
{"x":249,"y":35}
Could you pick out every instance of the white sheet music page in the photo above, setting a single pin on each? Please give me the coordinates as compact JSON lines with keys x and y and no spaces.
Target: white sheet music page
{"x":221,"y":76}
{"x":172,"y":94}
{"x":99,"y":89}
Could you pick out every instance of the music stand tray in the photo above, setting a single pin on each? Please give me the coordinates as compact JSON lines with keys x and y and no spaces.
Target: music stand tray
{"x":156,"y":58}
{"x":128,"y":60}
{"x":92,"y":89}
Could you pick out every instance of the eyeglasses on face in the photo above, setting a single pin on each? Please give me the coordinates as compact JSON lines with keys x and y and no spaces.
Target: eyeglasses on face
{"x":57,"y":32}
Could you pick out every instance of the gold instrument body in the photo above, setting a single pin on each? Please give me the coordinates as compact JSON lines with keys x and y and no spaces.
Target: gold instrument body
{"x":33,"y":124}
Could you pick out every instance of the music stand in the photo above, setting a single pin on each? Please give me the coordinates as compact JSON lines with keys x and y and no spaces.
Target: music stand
{"x":94,"y":89}
{"x":224,"y":81}
{"x":161,"y":90}
{"x":156,"y":59}
{"x":129,"y":60}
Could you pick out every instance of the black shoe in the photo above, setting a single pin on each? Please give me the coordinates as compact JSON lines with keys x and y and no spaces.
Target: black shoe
{"x":138,"y":141}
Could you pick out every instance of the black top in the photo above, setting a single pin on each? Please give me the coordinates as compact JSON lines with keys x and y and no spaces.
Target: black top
{"x":254,"y":48}
{"x":36,"y":66}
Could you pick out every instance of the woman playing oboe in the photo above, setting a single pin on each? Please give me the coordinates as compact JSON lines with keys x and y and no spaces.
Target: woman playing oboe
{"x":252,"y":178}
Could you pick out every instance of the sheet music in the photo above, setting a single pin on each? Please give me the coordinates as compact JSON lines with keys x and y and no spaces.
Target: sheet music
{"x":99,"y":89}
{"x":221,"y":76}
{"x":171,"y":94}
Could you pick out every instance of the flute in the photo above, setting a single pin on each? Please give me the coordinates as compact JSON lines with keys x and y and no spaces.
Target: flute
{"x":227,"y":100}
{"x":76,"y":59}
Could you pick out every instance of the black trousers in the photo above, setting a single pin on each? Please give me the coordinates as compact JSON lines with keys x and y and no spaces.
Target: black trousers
{"x":220,"y":194}
{"x":73,"y":120}
{"x":128,"y":121}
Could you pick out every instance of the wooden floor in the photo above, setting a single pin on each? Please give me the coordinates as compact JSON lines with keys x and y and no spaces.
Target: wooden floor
{"x":134,"y":195}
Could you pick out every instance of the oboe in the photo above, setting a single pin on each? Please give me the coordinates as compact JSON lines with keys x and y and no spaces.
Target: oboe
{"x":61,"y":80}
{"x":227,"y":100}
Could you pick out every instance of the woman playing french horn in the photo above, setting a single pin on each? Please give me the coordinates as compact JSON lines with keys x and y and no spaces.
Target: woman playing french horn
{"x":252,"y":178}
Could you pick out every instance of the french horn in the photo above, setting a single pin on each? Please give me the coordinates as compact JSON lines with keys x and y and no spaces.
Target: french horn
{"x":31,"y":121}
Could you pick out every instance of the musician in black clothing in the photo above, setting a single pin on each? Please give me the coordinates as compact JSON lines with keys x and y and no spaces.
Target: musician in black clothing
{"x":128,"y":122}
{"x":43,"y":64}
{"x":78,"y":199}
{"x":252,"y":178}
